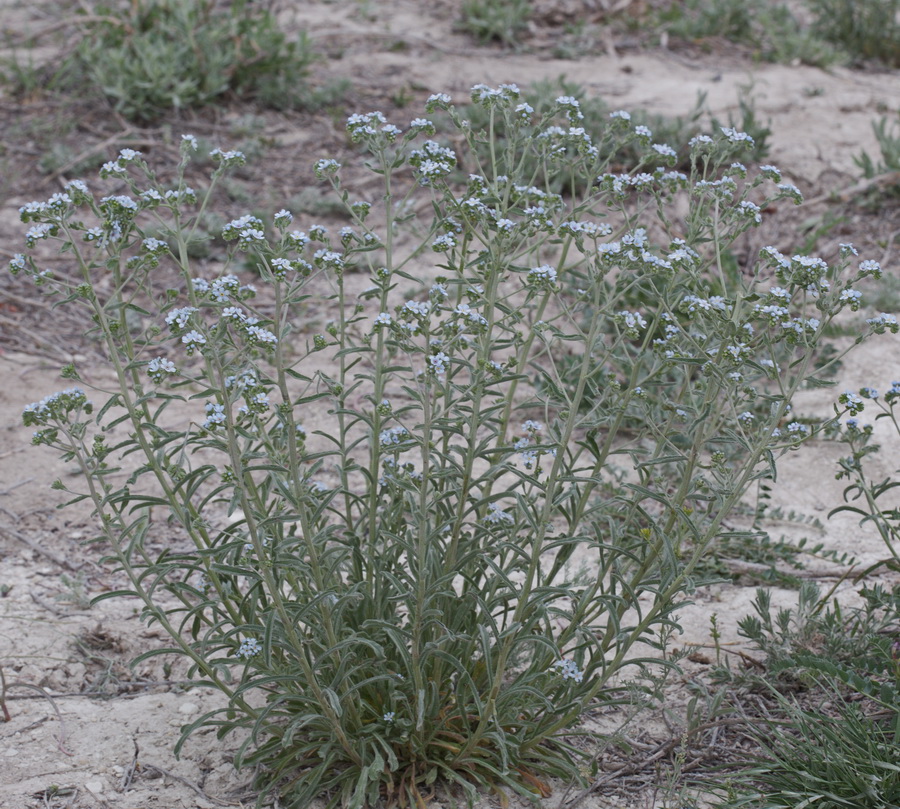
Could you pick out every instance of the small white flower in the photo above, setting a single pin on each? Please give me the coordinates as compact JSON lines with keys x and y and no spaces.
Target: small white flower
{"x":735,"y":136}
{"x":437,"y":363}
{"x":193,"y":341}
{"x":249,"y":648}
{"x":496,"y":515}
{"x":159,"y":368}
{"x":177,"y":319}
{"x":215,"y":415}
{"x":569,"y":670}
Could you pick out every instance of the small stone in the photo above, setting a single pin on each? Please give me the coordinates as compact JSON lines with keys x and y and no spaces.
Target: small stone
{"x":95,"y":786}
{"x":188,"y":708}
{"x":117,"y":770}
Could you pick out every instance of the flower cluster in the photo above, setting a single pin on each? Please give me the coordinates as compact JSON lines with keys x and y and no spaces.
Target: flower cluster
{"x":159,"y":368}
{"x":543,"y":277}
{"x":56,"y":407}
{"x":497,"y":516}
{"x":248,"y":648}
{"x":569,"y":670}
{"x":393,"y":436}
{"x":432,"y":162}
{"x":371,"y":127}
{"x":631,"y":322}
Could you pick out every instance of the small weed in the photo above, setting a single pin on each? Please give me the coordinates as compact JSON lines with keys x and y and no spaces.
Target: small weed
{"x":866,"y":29}
{"x":840,"y":753}
{"x":401,"y":97}
{"x":26,"y":79}
{"x":888,"y":134}
{"x":495,"y":20}
{"x":816,"y":634}
{"x":76,"y":591}
{"x":154,"y":56}
{"x":63,"y":158}
{"x":5,"y":589}
{"x":769,"y":29}
{"x":835,"y":756}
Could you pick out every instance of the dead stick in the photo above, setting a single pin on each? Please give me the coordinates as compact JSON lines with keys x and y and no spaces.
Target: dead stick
{"x":37,"y":548}
{"x":187,"y":783}
{"x":42,"y":602}
{"x":61,"y":739}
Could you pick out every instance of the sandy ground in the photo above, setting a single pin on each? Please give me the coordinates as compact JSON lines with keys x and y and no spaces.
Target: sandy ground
{"x":99,"y":734}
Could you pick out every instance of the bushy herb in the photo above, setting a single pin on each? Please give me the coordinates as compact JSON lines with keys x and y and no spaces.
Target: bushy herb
{"x":437,"y":578}
{"x":153,"y":56}
{"x":770,"y":29}
{"x":867,"y":29}
{"x":837,"y":746}
{"x":887,"y":133}
{"x":495,"y":20}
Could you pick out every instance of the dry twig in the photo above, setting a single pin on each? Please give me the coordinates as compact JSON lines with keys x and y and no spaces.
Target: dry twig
{"x":193,"y":786}
{"x":53,"y":557}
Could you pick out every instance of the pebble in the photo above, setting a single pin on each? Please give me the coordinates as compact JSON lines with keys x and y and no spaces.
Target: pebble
{"x":94,"y":786}
{"x":188,"y":708}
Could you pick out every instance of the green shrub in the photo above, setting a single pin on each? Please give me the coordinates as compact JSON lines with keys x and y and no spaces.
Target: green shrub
{"x":153,"y":56}
{"x":435,"y":581}
{"x":495,"y":20}
{"x":866,"y":29}
{"x":835,"y":745}
{"x":836,"y":758}
{"x":769,"y":28}
{"x":888,"y":135}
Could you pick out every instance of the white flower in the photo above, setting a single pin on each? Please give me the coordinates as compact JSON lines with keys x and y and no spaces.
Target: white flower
{"x":259,"y":336}
{"x":496,"y":515}
{"x":542,"y":277}
{"x":249,"y":648}
{"x":177,"y":319}
{"x":736,"y":137}
{"x":569,"y":670}
{"x":215,"y":415}
{"x":437,"y":363}
{"x":160,"y":367}
{"x":283,"y":218}
{"x":392,"y":436}
{"x":193,"y":340}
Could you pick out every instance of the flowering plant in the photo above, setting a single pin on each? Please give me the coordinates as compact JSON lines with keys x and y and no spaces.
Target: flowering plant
{"x":529,"y":428}
{"x":865,"y":495}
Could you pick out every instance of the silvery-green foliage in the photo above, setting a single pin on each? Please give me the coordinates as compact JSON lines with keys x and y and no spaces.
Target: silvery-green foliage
{"x":529,"y":428}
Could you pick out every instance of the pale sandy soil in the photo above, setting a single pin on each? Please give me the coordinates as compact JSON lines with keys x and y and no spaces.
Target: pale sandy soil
{"x":115,"y":750}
